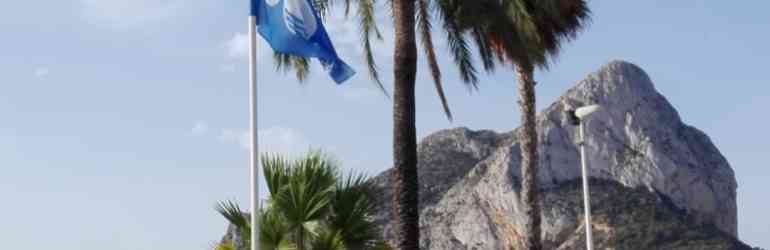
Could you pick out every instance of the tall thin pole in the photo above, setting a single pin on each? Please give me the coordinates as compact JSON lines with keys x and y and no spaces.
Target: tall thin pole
{"x":254,"y":149}
{"x":586,"y":198}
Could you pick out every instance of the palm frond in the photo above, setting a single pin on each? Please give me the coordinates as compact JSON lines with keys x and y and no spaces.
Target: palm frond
{"x":424,"y":27}
{"x":322,"y":7}
{"x":368,"y":26}
{"x":458,"y":45}
{"x":286,"y":62}
{"x":276,"y":170}
{"x":382,"y":245}
{"x":347,"y":8}
{"x":506,"y":42}
{"x":311,"y":206}
{"x":533,"y":43}
{"x":561,"y":21}
{"x":351,"y":211}
{"x":302,"y":66}
{"x":317,"y":168}
{"x":328,"y":240}
{"x":304,"y":200}
{"x":233,"y":213}
{"x":273,"y":232}
{"x":522,"y":13}
{"x":224,"y":246}
{"x":485,"y":49}
{"x":541,"y":28}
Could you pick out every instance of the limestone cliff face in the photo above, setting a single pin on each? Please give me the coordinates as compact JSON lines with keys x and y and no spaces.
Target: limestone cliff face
{"x":469,"y":179}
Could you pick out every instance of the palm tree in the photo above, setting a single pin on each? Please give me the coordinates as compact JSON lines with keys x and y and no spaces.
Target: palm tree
{"x":541,"y":26}
{"x":525,"y":32}
{"x":406,"y":15}
{"x":311,"y":207}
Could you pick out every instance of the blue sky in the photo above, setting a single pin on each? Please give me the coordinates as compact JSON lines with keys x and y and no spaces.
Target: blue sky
{"x":122,"y":121}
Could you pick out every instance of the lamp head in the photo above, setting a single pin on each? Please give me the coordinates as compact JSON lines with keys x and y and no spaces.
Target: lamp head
{"x":573,"y":119}
{"x":583,"y":112}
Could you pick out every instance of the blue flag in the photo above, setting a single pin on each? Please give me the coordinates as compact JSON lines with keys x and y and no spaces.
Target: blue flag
{"x":293,"y":27}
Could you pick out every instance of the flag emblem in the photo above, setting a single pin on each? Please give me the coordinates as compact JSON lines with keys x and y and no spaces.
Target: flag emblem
{"x":299,"y":18}
{"x":293,"y":27}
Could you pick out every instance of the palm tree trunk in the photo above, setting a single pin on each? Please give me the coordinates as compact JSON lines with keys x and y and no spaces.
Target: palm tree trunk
{"x":529,"y":157}
{"x":300,"y":238}
{"x":405,"y":197}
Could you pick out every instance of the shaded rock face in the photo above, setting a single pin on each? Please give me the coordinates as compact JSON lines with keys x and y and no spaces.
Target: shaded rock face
{"x":632,"y":218}
{"x":469,"y":179}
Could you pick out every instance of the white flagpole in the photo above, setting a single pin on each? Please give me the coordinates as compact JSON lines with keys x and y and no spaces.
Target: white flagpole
{"x":254,"y":149}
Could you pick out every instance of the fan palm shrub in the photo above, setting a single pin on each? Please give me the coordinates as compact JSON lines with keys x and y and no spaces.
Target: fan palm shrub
{"x":312,"y":206}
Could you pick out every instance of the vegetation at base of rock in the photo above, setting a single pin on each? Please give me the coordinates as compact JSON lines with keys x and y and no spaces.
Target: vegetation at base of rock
{"x":312,"y":206}
{"x":634,"y":218}
{"x":227,"y":245}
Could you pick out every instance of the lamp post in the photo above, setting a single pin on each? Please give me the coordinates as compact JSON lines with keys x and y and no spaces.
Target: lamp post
{"x":577,"y":117}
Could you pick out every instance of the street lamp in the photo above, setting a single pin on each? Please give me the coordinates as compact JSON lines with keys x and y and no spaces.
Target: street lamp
{"x":577,"y":118}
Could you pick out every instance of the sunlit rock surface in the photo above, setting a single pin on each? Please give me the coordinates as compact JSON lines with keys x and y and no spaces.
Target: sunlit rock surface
{"x":659,"y":183}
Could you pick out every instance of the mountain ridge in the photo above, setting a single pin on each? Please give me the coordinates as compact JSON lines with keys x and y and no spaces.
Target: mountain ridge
{"x":469,"y":179}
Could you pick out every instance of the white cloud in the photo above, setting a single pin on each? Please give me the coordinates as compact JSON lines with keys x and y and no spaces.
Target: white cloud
{"x":282,"y":140}
{"x":274,"y":140}
{"x":344,"y":34}
{"x":130,"y":13}
{"x":238,"y":46}
{"x":41,"y":72}
{"x":200,"y":128}
{"x":235,"y":136}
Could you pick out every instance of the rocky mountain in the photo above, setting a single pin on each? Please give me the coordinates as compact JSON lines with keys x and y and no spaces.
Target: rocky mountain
{"x":657,"y":183}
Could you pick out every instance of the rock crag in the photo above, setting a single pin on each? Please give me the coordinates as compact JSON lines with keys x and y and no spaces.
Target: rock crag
{"x":658,"y":183}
